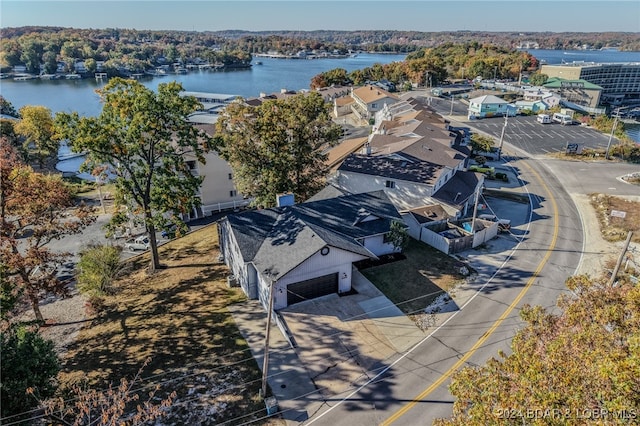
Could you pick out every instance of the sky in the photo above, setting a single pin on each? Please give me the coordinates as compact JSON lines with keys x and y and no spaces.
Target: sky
{"x":263,"y":15}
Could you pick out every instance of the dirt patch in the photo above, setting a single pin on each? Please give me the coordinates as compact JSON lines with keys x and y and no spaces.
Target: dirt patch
{"x":617,"y":217}
{"x":179,"y":319}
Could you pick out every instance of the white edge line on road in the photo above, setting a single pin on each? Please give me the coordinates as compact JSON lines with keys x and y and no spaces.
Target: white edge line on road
{"x":414,"y":347}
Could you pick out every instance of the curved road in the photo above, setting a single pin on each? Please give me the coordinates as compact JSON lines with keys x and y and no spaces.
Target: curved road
{"x":413,"y":389}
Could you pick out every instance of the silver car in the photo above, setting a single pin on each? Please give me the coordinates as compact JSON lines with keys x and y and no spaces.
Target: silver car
{"x":140,"y":243}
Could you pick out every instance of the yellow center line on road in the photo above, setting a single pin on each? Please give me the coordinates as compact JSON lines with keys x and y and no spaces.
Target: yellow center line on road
{"x":498,"y":322}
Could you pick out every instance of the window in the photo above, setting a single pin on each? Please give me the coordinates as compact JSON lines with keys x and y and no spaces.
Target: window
{"x":390,"y":184}
{"x":233,"y":193}
{"x":230,"y":176}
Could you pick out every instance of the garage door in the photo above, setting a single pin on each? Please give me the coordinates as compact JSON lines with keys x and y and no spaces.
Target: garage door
{"x":310,"y":289}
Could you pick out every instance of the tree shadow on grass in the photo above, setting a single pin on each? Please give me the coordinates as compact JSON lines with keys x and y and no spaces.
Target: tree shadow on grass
{"x":178,"y":319}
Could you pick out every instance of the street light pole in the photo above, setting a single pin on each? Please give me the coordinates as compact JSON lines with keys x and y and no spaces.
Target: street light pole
{"x":504,"y":127}
{"x":451,"y":112}
{"x":613,"y":129}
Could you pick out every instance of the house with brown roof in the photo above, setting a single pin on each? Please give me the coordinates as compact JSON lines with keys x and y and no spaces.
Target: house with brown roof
{"x":415,"y":157}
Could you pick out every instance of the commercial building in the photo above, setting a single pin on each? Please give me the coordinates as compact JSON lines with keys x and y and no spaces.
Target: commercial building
{"x":620,"y":82}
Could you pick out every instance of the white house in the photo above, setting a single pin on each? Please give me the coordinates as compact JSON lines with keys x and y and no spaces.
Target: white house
{"x":218,"y":190}
{"x":305,"y":250}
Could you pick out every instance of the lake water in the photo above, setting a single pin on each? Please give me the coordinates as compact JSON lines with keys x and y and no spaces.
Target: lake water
{"x":272,"y":76}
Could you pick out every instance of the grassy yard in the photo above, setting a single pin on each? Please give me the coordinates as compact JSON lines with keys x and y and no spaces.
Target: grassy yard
{"x":413,"y":283}
{"x":615,"y":228}
{"x":178,"y":319}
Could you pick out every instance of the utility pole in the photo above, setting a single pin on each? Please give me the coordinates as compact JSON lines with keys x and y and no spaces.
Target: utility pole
{"x":265,"y":363}
{"x":613,"y":129}
{"x":619,"y":263}
{"x":475,"y":210}
{"x":502,"y":135}
{"x":451,"y":112}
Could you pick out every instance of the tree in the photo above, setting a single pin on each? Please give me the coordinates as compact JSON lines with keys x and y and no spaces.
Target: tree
{"x":583,"y":361}
{"x":113,"y":406}
{"x":50,"y":60}
{"x":35,"y":209}
{"x":29,"y":363}
{"x":37,"y":127}
{"x":278,"y":146}
{"x":481,"y":143}
{"x":398,"y":235}
{"x":146,"y":140}
{"x":538,"y":79}
{"x":7,"y":108}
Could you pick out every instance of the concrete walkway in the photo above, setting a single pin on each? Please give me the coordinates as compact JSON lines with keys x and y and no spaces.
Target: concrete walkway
{"x":287,"y":377}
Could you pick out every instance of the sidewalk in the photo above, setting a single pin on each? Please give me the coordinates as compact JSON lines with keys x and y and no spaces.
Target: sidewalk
{"x":288,"y":379}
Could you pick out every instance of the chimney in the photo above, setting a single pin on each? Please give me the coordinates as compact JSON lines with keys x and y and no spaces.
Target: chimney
{"x":286,"y":199}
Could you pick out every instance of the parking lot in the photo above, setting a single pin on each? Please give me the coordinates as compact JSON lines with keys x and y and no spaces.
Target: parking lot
{"x":525,"y":133}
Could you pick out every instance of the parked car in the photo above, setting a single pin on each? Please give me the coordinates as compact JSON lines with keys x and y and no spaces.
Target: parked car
{"x":139,"y":243}
{"x":503,"y":224}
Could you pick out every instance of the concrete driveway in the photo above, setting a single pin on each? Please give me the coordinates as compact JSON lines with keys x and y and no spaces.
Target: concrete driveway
{"x":341,"y":339}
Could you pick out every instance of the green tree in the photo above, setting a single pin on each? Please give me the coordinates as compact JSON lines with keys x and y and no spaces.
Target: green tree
{"x":91,"y":65}
{"x":398,"y":235}
{"x":481,"y":143}
{"x":278,"y":146}
{"x":37,"y":127}
{"x":146,"y":140}
{"x":29,"y":367}
{"x":50,"y":62}
{"x":538,"y":79}
{"x":7,"y":108}
{"x":583,"y":360}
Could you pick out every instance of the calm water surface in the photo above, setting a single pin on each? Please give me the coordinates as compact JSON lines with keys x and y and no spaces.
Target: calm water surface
{"x":272,"y":76}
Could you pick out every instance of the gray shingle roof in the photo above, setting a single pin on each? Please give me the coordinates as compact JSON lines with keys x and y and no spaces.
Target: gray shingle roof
{"x":459,"y":188}
{"x":279,"y":239}
{"x":411,"y":170}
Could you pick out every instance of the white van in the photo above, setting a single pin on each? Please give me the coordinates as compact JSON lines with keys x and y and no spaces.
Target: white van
{"x":544,"y":118}
{"x":563,"y":119}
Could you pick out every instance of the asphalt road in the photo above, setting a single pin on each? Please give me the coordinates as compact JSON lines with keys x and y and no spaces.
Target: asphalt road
{"x":414,"y":388}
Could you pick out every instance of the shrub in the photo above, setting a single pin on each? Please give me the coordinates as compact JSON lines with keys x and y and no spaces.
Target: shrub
{"x":29,"y":367}
{"x":99,"y":266}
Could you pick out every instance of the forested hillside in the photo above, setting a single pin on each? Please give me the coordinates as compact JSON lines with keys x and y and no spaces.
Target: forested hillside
{"x":140,"y":50}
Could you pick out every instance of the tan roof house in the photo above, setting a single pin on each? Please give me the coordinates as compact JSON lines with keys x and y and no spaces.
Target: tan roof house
{"x":370,"y":99}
